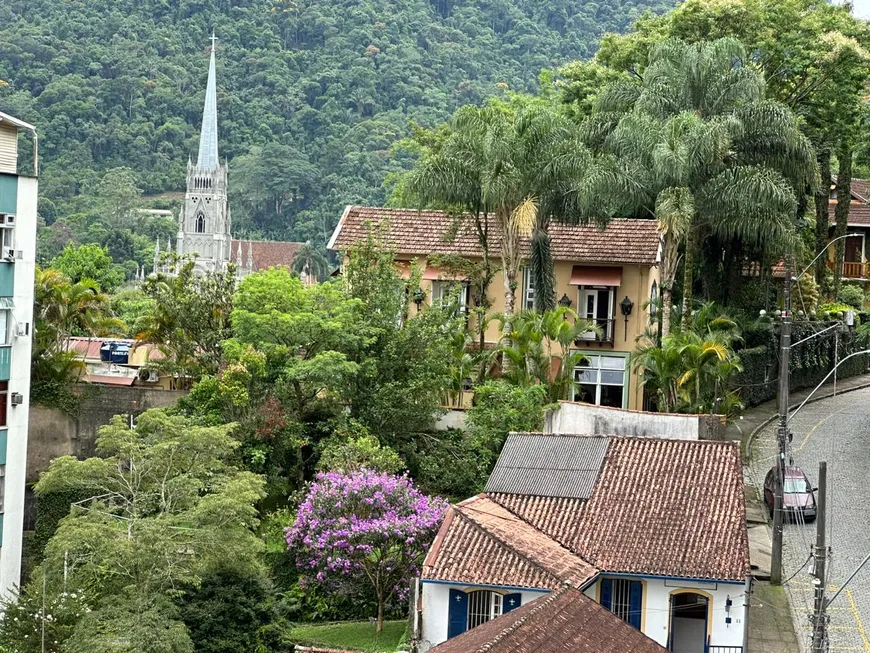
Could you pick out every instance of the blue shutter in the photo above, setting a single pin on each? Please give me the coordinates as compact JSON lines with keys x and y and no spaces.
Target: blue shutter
{"x":635,"y":603}
{"x":457,"y":613}
{"x":511,"y":602}
{"x":606,"y":592}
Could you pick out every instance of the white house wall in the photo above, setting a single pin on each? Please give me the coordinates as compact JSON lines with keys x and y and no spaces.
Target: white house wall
{"x":575,"y":418}
{"x":656,"y":606}
{"x":436,"y":601}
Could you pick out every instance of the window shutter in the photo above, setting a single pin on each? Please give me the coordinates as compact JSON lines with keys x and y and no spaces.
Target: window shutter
{"x":457,"y":614}
{"x":511,"y":602}
{"x":606,"y":593}
{"x":635,"y":603}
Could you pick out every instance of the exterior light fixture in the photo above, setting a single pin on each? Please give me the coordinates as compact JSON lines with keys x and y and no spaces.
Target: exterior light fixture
{"x":419,"y":296}
{"x":625,"y":306}
{"x":565,"y":302}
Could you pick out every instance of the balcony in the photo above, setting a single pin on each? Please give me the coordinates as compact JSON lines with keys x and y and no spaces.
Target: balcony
{"x":603,"y":337}
{"x":853,"y":269}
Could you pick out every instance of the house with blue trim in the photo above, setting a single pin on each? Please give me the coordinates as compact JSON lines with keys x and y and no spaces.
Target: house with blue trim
{"x":651,"y":529}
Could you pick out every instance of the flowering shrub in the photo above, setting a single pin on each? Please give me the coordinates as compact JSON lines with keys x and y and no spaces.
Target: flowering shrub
{"x":364,"y":527}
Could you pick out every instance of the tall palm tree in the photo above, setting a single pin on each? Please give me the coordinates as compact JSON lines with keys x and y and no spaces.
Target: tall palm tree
{"x":311,"y":260}
{"x":513,"y":169}
{"x":712,"y":155}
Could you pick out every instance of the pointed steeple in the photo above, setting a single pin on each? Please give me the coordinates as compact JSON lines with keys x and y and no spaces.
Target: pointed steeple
{"x":250,"y":256}
{"x":239,"y":256}
{"x":208,"y":137}
{"x":156,"y":254}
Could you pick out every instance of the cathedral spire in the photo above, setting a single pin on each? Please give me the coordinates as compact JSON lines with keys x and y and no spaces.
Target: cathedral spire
{"x":208,"y":137}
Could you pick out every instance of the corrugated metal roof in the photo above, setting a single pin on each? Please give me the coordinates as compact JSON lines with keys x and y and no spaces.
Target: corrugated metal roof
{"x":548,"y":465}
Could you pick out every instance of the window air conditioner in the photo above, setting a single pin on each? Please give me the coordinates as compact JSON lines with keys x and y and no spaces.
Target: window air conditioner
{"x":22,"y":329}
{"x":19,"y":254}
{"x":17,"y":399}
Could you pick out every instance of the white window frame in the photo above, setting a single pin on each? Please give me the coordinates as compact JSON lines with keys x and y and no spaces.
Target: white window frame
{"x":7,"y":240}
{"x":483,"y":606}
{"x":583,"y":293}
{"x":6,"y":321}
{"x":2,"y":489}
{"x":443,"y":289}
{"x":592,"y":365}
{"x":528,"y":290}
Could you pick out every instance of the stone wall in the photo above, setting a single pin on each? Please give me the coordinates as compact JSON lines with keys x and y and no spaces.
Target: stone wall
{"x":53,"y":433}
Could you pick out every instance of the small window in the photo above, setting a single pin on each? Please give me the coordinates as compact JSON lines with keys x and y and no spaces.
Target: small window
{"x":200,"y":224}
{"x":5,"y":322}
{"x":600,"y":380}
{"x":2,"y":488}
{"x":4,"y":402}
{"x":624,"y":598}
{"x":450,"y":293}
{"x":528,"y":289}
{"x":654,"y":299}
{"x":483,"y":606}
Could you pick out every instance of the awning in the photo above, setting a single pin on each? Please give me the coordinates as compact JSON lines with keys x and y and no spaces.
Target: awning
{"x":596,"y":275}
{"x":6,"y":302}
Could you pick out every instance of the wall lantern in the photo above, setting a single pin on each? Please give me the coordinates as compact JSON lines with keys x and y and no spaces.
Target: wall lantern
{"x":625,"y":306}
{"x":565,"y":302}
{"x":419,"y":296}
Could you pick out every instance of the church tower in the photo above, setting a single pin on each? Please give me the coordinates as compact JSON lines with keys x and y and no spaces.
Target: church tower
{"x":204,"y":223}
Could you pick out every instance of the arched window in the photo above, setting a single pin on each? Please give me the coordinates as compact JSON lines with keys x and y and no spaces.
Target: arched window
{"x":483,"y":606}
{"x":654,"y":299}
{"x":200,"y":224}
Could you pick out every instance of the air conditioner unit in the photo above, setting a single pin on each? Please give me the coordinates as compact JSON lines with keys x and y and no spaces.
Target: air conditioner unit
{"x":19,"y":254}
{"x":149,"y":376}
{"x":10,"y":219}
{"x":17,"y":398}
{"x":22,"y":329}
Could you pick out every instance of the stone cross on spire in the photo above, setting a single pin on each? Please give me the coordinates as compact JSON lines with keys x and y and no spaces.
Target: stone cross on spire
{"x":208,"y":137}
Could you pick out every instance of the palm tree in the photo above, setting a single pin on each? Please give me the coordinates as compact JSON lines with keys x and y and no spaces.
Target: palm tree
{"x":712,"y":155}
{"x":512,"y":169}
{"x":312,"y":261}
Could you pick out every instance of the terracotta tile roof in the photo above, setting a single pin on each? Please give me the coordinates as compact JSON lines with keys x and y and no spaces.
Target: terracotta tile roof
{"x":409,"y":231}
{"x":659,"y":507}
{"x":859,"y":213}
{"x":89,"y":348}
{"x":563,"y":621}
{"x":266,"y":253}
{"x":860,"y":188}
{"x":485,"y":543}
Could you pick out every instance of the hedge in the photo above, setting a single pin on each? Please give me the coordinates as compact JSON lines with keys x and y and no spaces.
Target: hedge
{"x":51,"y":507}
{"x":810,"y":362}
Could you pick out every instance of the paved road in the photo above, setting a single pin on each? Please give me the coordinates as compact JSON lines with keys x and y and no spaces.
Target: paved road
{"x":836,"y":430}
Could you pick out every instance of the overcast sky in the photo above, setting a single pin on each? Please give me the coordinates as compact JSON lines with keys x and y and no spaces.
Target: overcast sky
{"x":862,"y":8}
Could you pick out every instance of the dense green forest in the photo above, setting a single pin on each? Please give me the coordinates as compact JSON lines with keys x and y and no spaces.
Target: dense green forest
{"x":312,"y":93}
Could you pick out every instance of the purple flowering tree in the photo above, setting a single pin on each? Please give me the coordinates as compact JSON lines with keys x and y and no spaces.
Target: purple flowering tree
{"x":364,"y":527}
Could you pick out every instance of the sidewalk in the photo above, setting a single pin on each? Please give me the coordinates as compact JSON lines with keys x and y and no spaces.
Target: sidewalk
{"x":771,"y":628}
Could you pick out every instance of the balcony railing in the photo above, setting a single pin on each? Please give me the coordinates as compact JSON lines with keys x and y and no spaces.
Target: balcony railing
{"x":724,"y":649}
{"x":604,"y":334}
{"x":853,"y":269}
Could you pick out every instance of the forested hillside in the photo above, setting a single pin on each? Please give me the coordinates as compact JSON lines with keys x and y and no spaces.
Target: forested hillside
{"x":311,"y":93}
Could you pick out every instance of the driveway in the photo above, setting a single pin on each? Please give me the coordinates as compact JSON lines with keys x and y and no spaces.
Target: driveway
{"x":836,"y":430}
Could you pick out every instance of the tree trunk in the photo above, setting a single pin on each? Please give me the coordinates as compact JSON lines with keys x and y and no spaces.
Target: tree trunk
{"x":823,"y":224}
{"x":841,"y":212}
{"x":689,"y":279}
{"x":380,"y":627}
{"x":667,"y":305}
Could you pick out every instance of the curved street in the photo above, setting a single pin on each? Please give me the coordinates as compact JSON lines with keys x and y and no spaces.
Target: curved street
{"x":836,"y":430}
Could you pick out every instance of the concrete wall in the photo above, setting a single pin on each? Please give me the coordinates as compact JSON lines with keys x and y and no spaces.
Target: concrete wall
{"x":584,"y":419}
{"x":53,"y":433}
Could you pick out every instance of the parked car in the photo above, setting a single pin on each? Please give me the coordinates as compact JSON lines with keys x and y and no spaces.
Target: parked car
{"x":797,"y":493}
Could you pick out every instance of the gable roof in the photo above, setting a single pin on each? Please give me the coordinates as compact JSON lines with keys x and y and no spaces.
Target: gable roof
{"x":859,"y":188}
{"x":509,"y":552}
{"x":425,"y":232}
{"x":266,"y":253}
{"x":658,"y":508}
{"x":564,"y":620}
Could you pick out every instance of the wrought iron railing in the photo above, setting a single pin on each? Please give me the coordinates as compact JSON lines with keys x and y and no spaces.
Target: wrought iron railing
{"x":724,"y":649}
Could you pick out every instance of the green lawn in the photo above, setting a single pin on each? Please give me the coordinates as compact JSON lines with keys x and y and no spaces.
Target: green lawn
{"x":351,"y":635}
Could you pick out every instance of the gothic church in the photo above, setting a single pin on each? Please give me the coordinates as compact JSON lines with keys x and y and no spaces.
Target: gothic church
{"x":205,"y":221}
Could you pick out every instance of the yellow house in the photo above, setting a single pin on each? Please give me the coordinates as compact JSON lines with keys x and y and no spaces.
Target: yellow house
{"x":605,"y":275}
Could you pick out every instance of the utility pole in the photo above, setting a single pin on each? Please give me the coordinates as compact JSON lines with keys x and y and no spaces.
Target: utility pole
{"x":782,"y":428}
{"x":820,"y":617}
